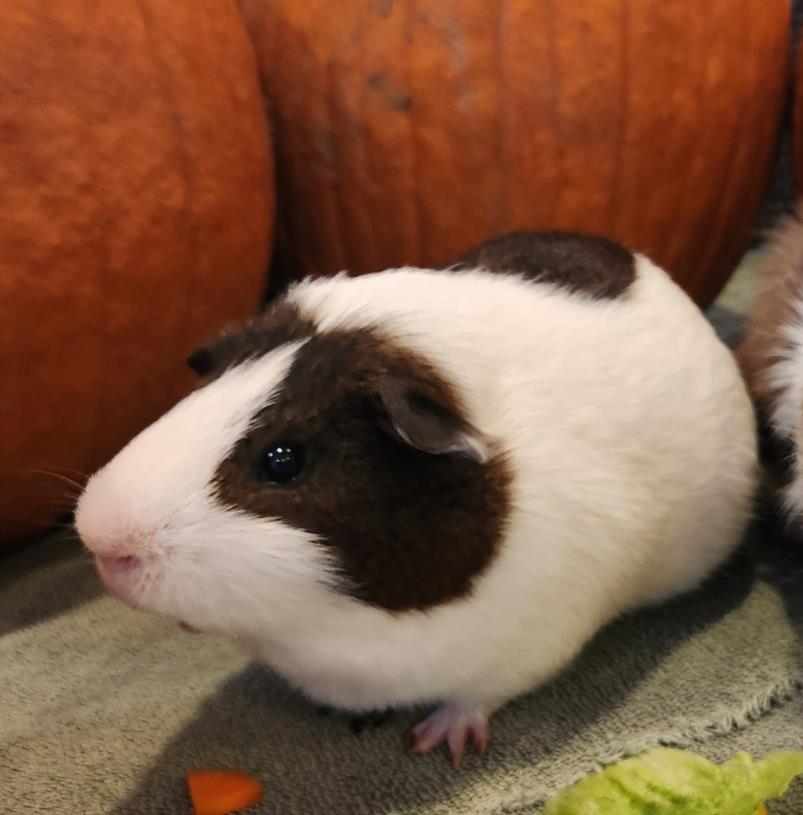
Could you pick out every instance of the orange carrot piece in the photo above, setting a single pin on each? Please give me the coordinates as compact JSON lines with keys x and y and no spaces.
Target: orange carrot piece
{"x":220,"y":792}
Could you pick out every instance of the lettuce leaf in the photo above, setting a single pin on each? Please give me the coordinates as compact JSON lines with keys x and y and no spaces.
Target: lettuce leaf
{"x":665,"y":781}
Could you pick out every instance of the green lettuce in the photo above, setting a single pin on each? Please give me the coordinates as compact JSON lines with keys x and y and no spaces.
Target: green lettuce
{"x":664,"y":781}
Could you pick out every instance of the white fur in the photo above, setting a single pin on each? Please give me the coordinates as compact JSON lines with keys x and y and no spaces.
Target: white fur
{"x":785,"y":378}
{"x":203,"y":562}
{"x":785,"y":375}
{"x":632,"y":443}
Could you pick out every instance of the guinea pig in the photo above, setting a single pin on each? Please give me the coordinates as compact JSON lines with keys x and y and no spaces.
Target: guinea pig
{"x":435,"y":486}
{"x":771,"y":357}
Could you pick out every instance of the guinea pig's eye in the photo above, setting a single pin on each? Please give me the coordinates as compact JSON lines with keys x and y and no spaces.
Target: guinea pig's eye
{"x":282,"y":462}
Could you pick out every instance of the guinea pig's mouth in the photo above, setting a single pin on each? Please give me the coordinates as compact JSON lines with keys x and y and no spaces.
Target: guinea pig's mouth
{"x":125,"y":576}
{"x":118,"y":564}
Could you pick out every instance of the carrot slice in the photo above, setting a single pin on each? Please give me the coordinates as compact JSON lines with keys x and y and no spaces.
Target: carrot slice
{"x":219,"y":792}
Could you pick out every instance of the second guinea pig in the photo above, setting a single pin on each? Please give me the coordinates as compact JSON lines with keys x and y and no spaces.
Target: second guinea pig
{"x":435,"y":486}
{"x":771,"y":356}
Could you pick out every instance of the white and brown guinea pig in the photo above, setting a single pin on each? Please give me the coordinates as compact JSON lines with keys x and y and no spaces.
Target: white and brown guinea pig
{"x":771,"y":356}
{"x":434,"y":486}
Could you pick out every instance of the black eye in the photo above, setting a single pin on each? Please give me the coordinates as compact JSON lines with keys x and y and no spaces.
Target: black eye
{"x":282,"y":462}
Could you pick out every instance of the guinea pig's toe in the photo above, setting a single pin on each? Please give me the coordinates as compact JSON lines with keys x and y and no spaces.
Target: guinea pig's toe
{"x":478,"y":736}
{"x":455,"y":725}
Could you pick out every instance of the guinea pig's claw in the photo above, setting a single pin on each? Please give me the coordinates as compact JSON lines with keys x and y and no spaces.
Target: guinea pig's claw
{"x":454,"y":725}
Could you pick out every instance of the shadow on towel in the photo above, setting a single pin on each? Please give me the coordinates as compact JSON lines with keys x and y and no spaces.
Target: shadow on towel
{"x":312,"y":765}
{"x":42,"y":581}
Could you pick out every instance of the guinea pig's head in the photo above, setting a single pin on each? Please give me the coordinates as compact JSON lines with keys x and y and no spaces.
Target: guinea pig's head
{"x":310,"y":468}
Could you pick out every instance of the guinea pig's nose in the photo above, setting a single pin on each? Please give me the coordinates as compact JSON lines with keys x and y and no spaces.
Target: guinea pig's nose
{"x":115,"y":540}
{"x":110,"y":526}
{"x":115,"y":545}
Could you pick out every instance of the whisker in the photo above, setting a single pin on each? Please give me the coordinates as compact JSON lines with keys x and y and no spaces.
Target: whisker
{"x":71,"y":539}
{"x":30,"y":492}
{"x":37,"y":525}
{"x":80,"y":473}
{"x":50,"y":508}
{"x":63,"y":478}
{"x":65,"y":525}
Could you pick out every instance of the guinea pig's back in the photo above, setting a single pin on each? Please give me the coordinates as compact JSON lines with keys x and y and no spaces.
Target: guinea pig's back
{"x":645,"y":422}
{"x":624,"y":418}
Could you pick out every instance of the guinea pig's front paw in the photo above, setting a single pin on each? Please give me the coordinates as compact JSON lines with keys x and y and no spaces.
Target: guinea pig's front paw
{"x":454,"y":724}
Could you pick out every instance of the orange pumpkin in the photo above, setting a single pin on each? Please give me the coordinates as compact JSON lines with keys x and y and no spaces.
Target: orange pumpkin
{"x":797,"y":125}
{"x":408,"y":130}
{"x":136,"y":201}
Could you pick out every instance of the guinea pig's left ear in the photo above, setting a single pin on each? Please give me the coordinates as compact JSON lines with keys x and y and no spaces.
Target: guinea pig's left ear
{"x":423,"y":422}
{"x":201,"y":361}
{"x":213,"y":358}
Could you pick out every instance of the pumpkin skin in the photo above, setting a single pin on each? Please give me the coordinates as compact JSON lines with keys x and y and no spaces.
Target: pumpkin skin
{"x":137,"y":206}
{"x":409,"y":130}
{"x":797,"y":125}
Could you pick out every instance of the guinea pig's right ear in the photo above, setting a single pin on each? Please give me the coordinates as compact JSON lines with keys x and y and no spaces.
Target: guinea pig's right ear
{"x":202,"y":361}
{"x":213,"y":358}
{"x":418,"y":418}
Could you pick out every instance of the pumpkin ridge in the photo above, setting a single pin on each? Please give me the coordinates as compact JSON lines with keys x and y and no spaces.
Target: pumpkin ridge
{"x":416,"y":249}
{"x":618,"y":156}
{"x":727,"y":175}
{"x":503,"y":157}
{"x":673,"y":242}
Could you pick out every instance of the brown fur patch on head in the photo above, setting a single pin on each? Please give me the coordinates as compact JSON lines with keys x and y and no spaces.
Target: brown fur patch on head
{"x":278,"y":324}
{"x":580,"y":264}
{"x":410,"y":528}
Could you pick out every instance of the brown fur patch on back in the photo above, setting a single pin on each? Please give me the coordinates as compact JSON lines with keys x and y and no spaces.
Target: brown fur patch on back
{"x":410,"y":529}
{"x":581,"y":264}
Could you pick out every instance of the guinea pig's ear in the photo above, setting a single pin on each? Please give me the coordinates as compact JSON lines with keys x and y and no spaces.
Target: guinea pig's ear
{"x":213,"y":358}
{"x":202,"y":361}
{"x":227,"y":349}
{"x":423,"y":422}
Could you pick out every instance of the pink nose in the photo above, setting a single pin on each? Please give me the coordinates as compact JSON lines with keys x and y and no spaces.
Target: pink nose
{"x":116,"y":544}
